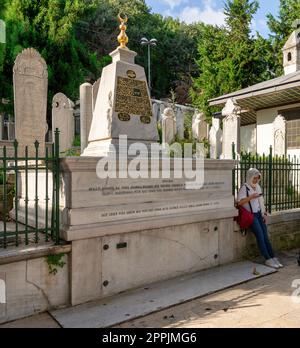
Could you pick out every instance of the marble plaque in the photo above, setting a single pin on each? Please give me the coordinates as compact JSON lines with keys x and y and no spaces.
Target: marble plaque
{"x":132,"y":97}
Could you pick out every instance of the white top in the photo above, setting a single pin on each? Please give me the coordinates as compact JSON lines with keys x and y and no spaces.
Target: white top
{"x":255,"y":203}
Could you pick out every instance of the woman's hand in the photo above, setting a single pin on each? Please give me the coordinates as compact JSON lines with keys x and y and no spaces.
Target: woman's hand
{"x":248,"y":199}
{"x":265,"y":218}
{"x":254,"y":196}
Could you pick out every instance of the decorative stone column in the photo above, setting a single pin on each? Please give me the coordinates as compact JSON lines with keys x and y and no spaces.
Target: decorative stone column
{"x":86,"y":113}
{"x":215,"y":139}
{"x":231,"y":128}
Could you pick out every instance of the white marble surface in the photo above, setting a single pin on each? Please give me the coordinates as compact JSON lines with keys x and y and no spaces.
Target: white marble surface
{"x":121,"y":308}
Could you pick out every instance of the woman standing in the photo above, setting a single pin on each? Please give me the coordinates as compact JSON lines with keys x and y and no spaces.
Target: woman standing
{"x":250,"y":197}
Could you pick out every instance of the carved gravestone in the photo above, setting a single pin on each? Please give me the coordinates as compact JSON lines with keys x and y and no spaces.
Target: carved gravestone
{"x":180,"y":123}
{"x":1,"y":126}
{"x":155,"y":108}
{"x":86,"y":113}
{"x":30,"y":100}
{"x":231,"y":128}
{"x":161,"y":111}
{"x":168,"y":126}
{"x":215,"y":139}
{"x":200,"y":126}
{"x":63,"y":119}
{"x":279,"y":126}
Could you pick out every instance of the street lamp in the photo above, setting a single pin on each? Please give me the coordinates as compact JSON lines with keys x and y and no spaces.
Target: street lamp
{"x":149,"y":43}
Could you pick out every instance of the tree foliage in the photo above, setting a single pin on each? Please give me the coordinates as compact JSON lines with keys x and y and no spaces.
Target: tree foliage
{"x":197,"y":61}
{"x":172,"y":60}
{"x":281,"y":28}
{"x":49,"y":27}
{"x":229,"y":57}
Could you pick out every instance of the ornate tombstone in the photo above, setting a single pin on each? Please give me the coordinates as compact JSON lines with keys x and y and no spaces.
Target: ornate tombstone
{"x":279,"y":126}
{"x":86,"y":113}
{"x":161,"y":110}
{"x":200,"y":126}
{"x":63,"y":119}
{"x":155,"y":109}
{"x":180,"y":123}
{"x":123,"y":106}
{"x":231,"y":128}
{"x":215,"y":139}
{"x":168,"y":126}
{"x":30,"y":100}
{"x":96,"y":86}
{"x":1,"y":126}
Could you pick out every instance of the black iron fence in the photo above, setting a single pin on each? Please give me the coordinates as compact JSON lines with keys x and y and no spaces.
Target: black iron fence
{"x":280,"y":178}
{"x":29,"y":194}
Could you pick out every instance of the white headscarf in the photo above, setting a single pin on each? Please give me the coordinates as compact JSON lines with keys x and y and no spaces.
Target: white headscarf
{"x":253,"y":172}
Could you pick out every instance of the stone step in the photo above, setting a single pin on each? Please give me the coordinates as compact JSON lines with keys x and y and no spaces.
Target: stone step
{"x":155,"y":297}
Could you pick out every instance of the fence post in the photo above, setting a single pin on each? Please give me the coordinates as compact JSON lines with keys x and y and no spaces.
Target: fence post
{"x":270,"y":180}
{"x":16,"y":144}
{"x":57,"y":190}
{"x":233,"y":151}
{"x":233,"y":171}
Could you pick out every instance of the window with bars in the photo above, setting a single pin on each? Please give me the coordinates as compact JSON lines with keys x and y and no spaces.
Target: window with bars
{"x":293,"y":134}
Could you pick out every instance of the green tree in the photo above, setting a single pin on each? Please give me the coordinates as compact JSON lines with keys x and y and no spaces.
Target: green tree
{"x":281,"y":28}
{"x":49,"y":26}
{"x":172,"y":60}
{"x":229,"y":58}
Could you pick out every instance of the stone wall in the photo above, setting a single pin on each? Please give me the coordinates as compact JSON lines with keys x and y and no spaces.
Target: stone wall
{"x":284,"y":232}
{"x":29,"y":286}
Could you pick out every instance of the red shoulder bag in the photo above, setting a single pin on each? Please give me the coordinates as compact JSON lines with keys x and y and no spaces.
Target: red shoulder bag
{"x":245,"y":218}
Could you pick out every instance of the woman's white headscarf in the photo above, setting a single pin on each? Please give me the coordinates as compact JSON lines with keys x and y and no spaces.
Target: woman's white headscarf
{"x":253,"y":172}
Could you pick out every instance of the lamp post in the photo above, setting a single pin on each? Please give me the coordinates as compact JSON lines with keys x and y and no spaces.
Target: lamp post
{"x":149,"y":43}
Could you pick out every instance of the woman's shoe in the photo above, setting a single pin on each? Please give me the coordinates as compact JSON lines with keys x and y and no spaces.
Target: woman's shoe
{"x":280,"y":265}
{"x":272,"y":263}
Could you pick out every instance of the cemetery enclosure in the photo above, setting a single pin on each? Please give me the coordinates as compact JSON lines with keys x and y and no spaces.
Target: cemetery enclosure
{"x":124,"y":236}
{"x":280,"y":179}
{"x":30,"y":185}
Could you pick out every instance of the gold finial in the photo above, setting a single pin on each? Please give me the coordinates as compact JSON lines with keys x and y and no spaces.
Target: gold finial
{"x":123,"y":38}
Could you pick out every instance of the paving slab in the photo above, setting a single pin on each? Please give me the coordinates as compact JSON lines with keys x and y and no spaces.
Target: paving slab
{"x":41,"y":321}
{"x":141,"y":302}
{"x":265,"y":302}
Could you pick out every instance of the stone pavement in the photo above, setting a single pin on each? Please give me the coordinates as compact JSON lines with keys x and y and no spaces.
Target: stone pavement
{"x":264,"y":302}
{"x":41,"y":321}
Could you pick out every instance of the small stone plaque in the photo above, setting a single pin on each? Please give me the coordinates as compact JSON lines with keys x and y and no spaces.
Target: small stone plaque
{"x":132,"y":97}
{"x":146,"y":119}
{"x":131,"y":74}
{"x":124,"y":117}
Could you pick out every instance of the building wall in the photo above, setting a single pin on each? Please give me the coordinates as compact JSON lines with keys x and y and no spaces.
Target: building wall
{"x":265,"y":133}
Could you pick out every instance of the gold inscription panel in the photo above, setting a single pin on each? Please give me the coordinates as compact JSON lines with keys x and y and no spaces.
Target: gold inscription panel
{"x":132,"y":97}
